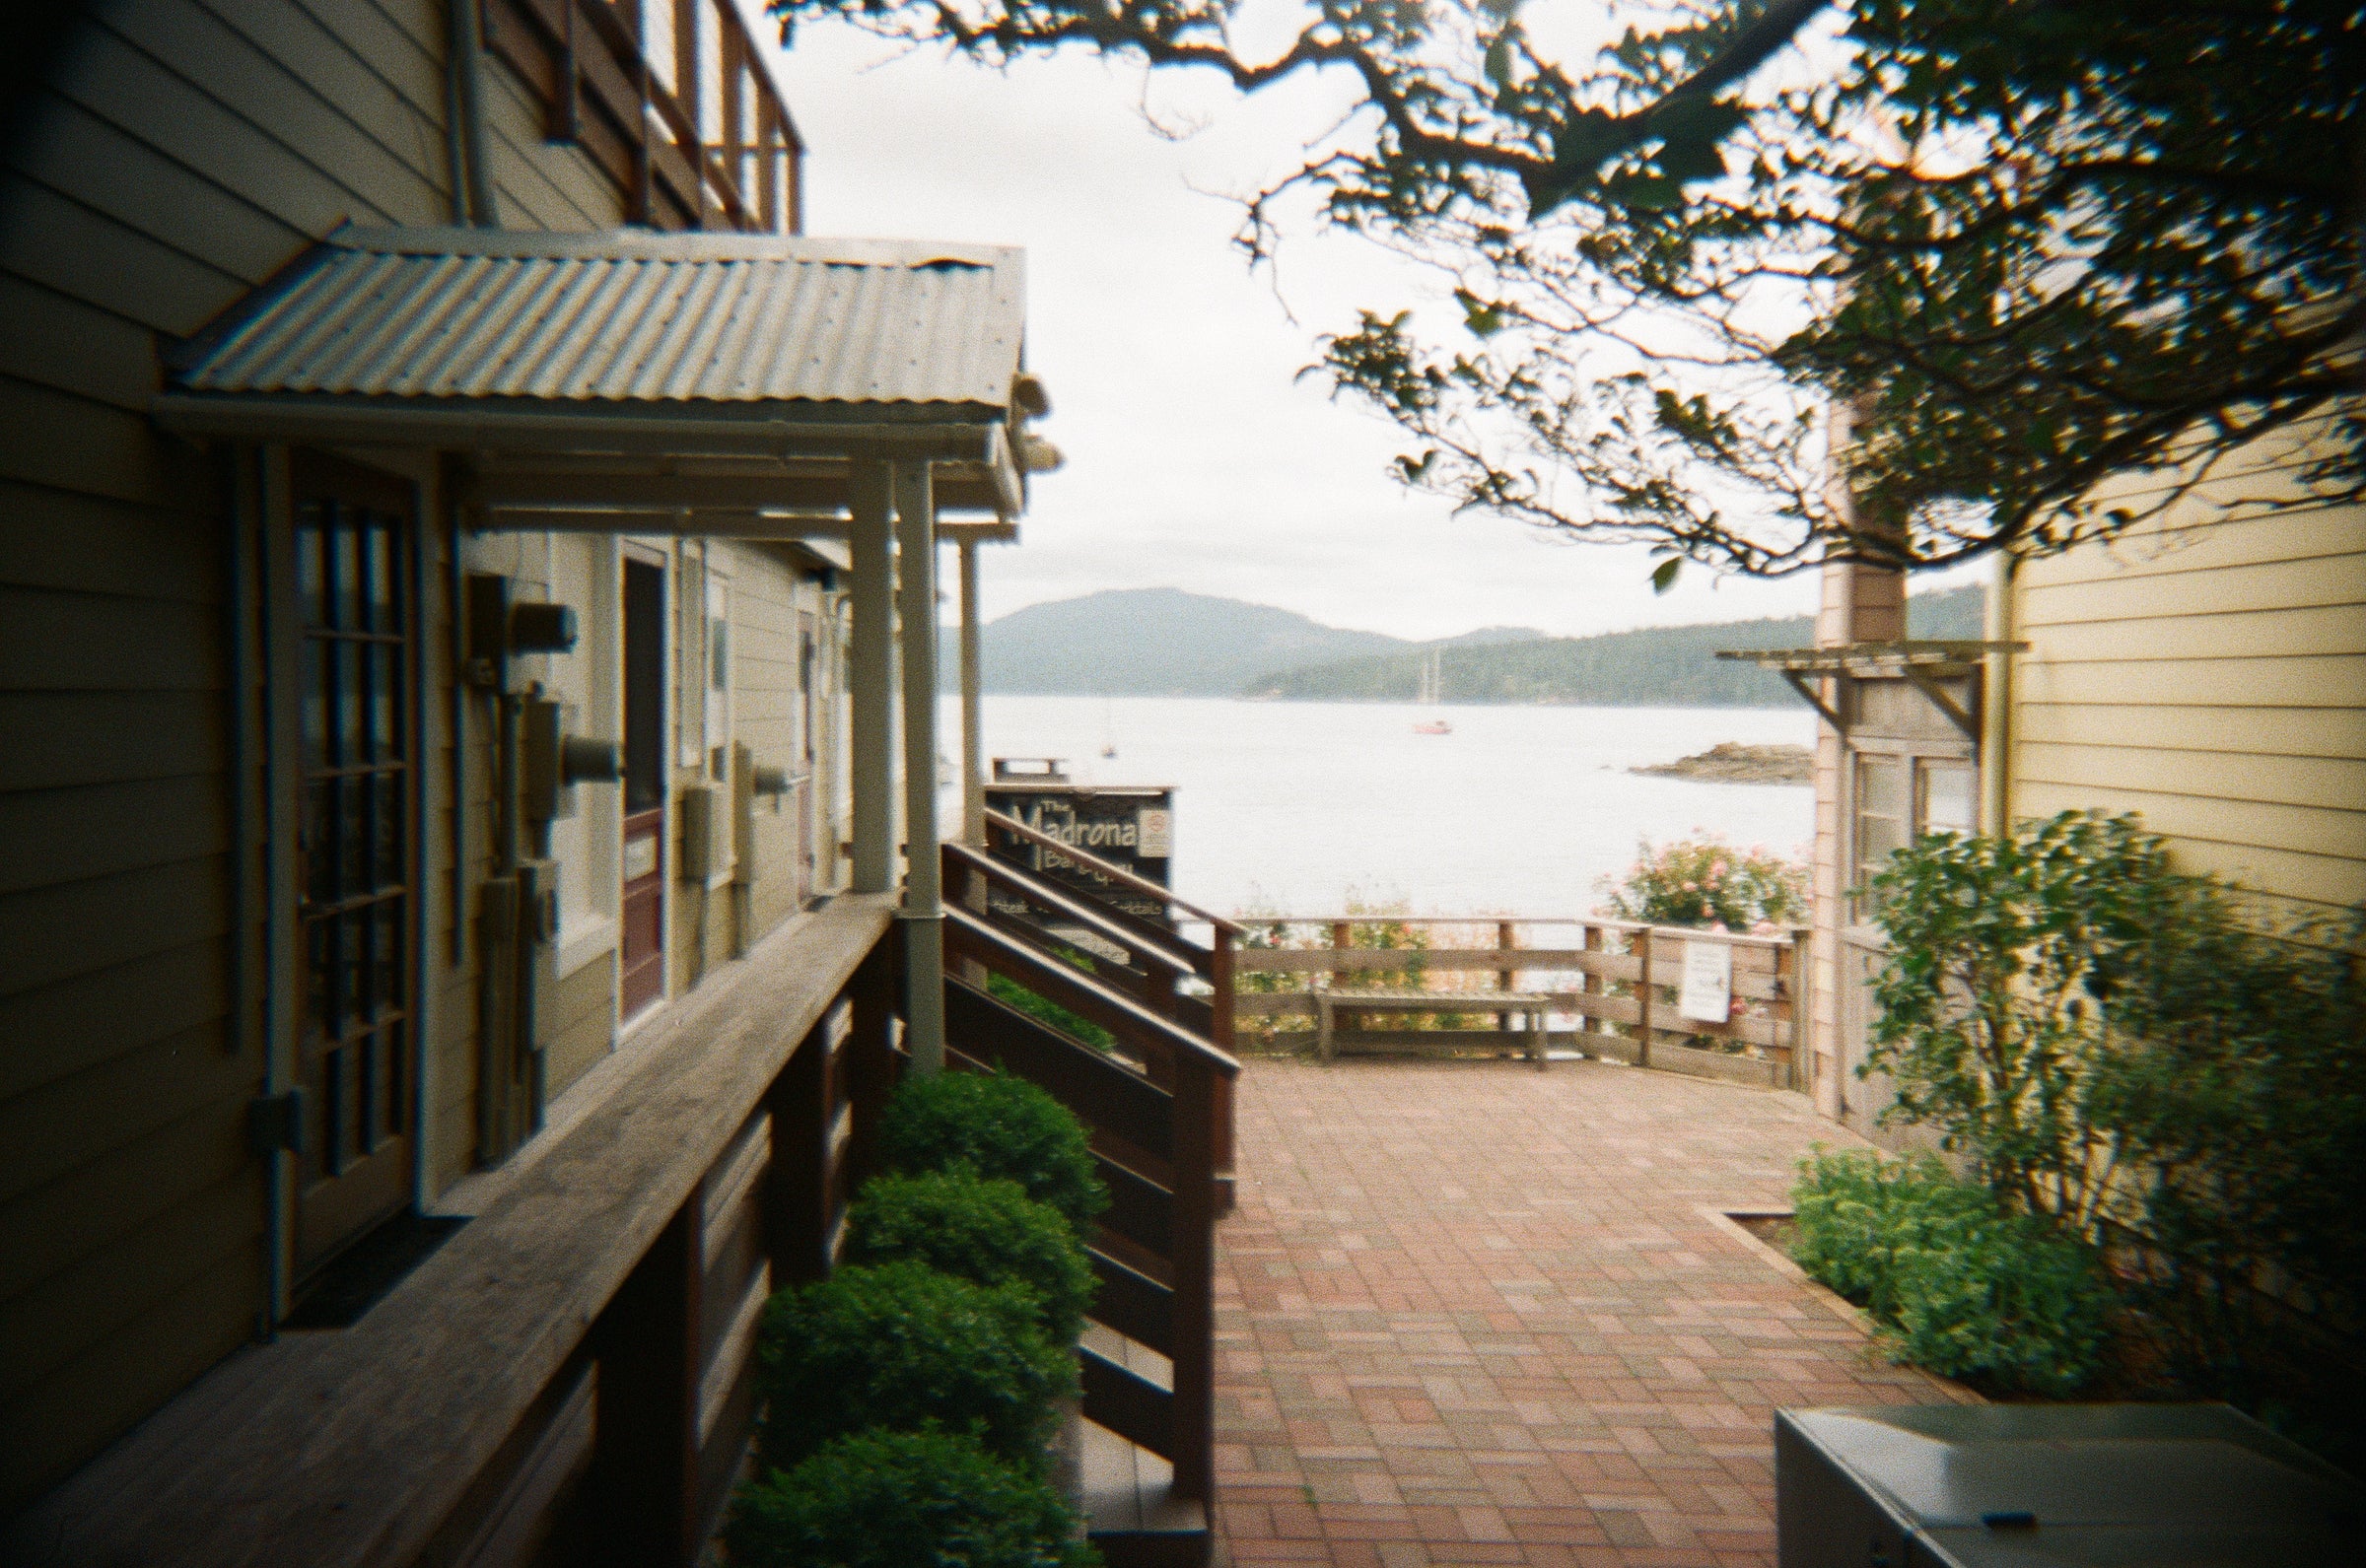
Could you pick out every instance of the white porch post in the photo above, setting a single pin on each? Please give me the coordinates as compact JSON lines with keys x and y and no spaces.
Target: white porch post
{"x":973,"y":718}
{"x":872,"y":676}
{"x":923,"y":891}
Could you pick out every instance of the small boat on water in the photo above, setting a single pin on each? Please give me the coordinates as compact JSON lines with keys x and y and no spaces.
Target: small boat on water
{"x":1431,"y":682}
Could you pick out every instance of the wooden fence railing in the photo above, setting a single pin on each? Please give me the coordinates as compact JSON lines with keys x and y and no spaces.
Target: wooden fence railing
{"x":1614,"y":982}
{"x":571,"y":1377}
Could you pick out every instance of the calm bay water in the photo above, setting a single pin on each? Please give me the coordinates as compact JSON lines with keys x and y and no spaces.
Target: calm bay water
{"x":1291,"y":807}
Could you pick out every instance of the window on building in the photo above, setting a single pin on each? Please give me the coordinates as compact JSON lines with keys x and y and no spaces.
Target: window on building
{"x":1899,"y":796}
{"x":1883,"y":823}
{"x":717,"y":704}
{"x":1947,"y":803}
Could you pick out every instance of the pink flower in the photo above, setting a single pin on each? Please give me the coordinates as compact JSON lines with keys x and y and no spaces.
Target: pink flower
{"x":1692,"y":887}
{"x":1706,"y":912}
{"x":1717,"y":869}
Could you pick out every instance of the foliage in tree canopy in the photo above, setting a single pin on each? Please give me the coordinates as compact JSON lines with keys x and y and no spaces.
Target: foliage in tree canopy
{"x":2039,"y":266}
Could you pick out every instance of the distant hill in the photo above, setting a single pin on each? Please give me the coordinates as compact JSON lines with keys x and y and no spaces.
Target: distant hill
{"x":1164,"y":642}
{"x":1662,"y":665}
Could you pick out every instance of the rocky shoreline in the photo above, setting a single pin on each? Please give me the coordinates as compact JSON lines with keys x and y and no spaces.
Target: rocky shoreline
{"x":1732,"y":762}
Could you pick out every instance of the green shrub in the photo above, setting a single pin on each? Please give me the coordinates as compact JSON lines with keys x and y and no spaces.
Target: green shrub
{"x":2012,"y":1301}
{"x":902,"y":1346}
{"x":2126,"y":1051}
{"x":1011,"y":994}
{"x":1958,"y":1286}
{"x":903,"y":1500}
{"x":1853,"y":1212}
{"x":989,"y":1232}
{"x":993,"y":1124}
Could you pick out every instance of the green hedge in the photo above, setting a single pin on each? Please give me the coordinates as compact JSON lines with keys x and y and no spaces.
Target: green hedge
{"x":1050,"y":1013}
{"x":994,"y":1126}
{"x":903,"y":1500}
{"x":1958,"y":1286}
{"x":989,"y":1232}
{"x":902,"y":1346}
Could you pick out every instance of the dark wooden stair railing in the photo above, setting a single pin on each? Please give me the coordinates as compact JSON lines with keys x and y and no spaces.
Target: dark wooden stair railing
{"x":1155,"y":1139}
{"x":1015,"y":855}
{"x":1156,"y":962}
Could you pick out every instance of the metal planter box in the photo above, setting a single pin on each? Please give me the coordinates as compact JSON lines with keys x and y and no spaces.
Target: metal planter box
{"x":2034,"y":1487}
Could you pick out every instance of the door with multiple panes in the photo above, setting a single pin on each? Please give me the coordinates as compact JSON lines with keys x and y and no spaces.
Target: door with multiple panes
{"x":355,"y":860}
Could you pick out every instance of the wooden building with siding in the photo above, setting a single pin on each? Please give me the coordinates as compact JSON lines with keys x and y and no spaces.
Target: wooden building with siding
{"x":2206,"y":670}
{"x":388,"y":813}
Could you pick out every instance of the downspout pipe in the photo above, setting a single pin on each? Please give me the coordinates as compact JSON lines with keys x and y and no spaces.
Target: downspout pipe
{"x":473,"y":201}
{"x":1997,"y":700}
{"x":246,"y":755}
{"x":282,"y":740}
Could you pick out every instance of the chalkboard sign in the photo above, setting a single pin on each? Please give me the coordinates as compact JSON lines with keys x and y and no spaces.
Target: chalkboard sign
{"x":1129,"y":825}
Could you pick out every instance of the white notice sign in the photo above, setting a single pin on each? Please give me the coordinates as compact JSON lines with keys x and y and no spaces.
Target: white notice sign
{"x":1154,"y":833}
{"x":1708,"y":996}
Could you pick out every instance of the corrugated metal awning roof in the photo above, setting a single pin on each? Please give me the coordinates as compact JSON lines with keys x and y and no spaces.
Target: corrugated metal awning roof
{"x":627,"y":317}
{"x":673,"y":346}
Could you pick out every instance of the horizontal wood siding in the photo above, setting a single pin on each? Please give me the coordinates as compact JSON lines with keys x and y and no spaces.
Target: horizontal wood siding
{"x":177,"y":153}
{"x":765,"y":595}
{"x":2211,"y":675}
{"x":582,"y":1025}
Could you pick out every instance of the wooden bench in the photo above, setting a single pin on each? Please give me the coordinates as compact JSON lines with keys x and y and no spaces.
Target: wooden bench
{"x":1530,"y":1005}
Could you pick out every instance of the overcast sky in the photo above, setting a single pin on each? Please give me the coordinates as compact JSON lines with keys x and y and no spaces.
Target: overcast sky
{"x":1195,"y":458}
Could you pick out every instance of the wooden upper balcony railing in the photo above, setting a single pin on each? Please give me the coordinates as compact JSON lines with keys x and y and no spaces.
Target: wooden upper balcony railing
{"x":670,"y":99}
{"x":1616,"y":980}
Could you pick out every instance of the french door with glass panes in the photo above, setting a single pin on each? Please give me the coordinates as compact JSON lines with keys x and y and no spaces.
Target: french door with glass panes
{"x":1900,"y":795}
{"x":355,"y":859}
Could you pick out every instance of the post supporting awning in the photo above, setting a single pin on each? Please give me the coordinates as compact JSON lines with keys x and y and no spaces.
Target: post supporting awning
{"x":923,"y":912}
{"x":871,"y":657}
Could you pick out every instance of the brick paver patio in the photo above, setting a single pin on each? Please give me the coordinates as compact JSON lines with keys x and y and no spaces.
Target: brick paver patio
{"x":1470,"y":1314}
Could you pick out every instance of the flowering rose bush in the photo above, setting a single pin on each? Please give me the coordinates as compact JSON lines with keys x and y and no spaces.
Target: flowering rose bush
{"x":1703,"y":880}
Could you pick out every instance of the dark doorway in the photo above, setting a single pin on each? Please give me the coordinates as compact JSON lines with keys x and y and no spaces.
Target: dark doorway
{"x":642,"y":957}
